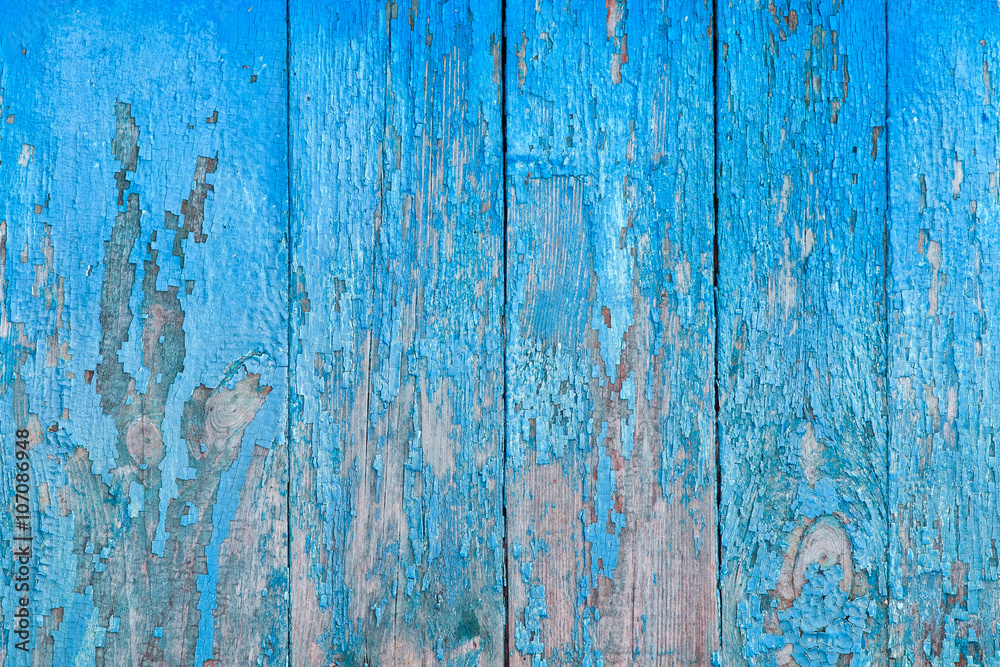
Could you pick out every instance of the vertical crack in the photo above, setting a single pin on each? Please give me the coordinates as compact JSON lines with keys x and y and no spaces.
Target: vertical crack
{"x":503,"y":325}
{"x":388,"y":294}
{"x":288,"y":291}
{"x":376,"y":230}
{"x":886,"y":266}
{"x":715,"y":305}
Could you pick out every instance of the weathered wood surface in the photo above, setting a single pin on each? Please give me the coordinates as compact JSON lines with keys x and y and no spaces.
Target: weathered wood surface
{"x":397,"y":148}
{"x":610,"y":324}
{"x":522,"y":241}
{"x":337,"y":82}
{"x":142,"y":163}
{"x":944,"y":306}
{"x":801,"y":357}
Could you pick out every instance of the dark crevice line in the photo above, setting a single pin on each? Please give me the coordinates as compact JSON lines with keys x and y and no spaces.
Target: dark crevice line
{"x":289,"y":331}
{"x":386,"y":312}
{"x":886,"y":267}
{"x":376,"y":229}
{"x":635,"y":642}
{"x":371,"y":338}
{"x":715,"y":305}
{"x":503,"y":325}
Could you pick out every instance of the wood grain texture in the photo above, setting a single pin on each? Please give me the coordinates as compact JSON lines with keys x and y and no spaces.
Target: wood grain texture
{"x":802,"y":419}
{"x":143,"y":175}
{"x":398,"y":228}
{"x":610,"y":325}
{"x":337,"y":77}
{"x":944,"y":303}
{"x":505,"y":440}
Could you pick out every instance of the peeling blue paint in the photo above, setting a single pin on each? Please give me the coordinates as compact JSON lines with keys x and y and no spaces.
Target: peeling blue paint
{"x":801,"y":178}
{"x":102,"y":379}
{"x":477,"y":427}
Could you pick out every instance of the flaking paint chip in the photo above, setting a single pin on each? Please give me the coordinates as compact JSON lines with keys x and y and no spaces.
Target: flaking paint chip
{"x":27,"y":151}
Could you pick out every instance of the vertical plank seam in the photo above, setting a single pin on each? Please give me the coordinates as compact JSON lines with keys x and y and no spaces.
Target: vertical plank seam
{"x":390,"y":102}
{"x":288,"y":332}
{"x":887,"y":397}
{"x":503,"y":333}
{"x":715,"y":310}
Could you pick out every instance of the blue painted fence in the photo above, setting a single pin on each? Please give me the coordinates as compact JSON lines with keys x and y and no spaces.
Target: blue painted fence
{"x":480,"y":333}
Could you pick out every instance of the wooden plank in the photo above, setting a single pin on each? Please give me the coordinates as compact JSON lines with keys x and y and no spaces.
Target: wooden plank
{"x":944,"y":299}
{"x":143,"y":331}
{"x":610,"y":328}
{"x":398,"y":228}
{"x":802,"y":425}
{"x":337,"y":79}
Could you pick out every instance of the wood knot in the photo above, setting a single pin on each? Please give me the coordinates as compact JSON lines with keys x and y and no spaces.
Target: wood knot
{"x":823,"y":541}
{"x":214,"y":419}
{"x":230,"y":410}
{"x":144,"y":441}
